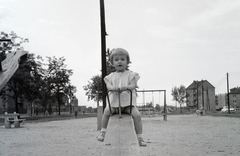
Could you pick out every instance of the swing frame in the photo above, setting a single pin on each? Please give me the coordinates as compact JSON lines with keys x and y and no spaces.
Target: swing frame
{"x":165,"y":105}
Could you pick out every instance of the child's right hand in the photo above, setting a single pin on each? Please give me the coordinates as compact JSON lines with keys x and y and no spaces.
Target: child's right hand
{"x":123,"y":88}
{"x":115,"y":89}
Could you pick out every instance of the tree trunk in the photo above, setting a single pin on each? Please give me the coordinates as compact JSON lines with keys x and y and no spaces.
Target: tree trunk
{"x":180,"y":108}
{"x":16,"y":104}
{"x":59,"y":110}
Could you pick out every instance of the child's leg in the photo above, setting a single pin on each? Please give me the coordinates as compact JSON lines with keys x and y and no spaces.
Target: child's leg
{"x":106,"y":115}
{"x":136,"y":118}
{"x":105,"y":119}
{"x":137,"y":124}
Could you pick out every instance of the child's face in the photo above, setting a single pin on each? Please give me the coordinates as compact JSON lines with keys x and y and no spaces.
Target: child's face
{"x":120,"y":62}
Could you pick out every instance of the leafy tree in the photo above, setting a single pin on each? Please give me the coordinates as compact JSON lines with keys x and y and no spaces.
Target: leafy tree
{"x":158,"y":108}
{"x":14,"y":45}
{"x":94,"y":87}
{"x":179,"y":95}
{"x":15,"y":86}
{"x":25,"y":82}
{"x":32,"y":90}
{"x":149,"y":105}
{"x":58,"y":78}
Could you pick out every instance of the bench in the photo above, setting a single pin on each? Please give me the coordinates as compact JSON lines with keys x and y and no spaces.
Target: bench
{"x":10,"y":119}
{"x":121,"y":138}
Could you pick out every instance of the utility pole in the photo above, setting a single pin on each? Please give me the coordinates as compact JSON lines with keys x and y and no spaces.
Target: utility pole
{"x":165,"y":105}
{"x":202,"y":95}
{"x":228,"y":94}
{"x":103,"y":50}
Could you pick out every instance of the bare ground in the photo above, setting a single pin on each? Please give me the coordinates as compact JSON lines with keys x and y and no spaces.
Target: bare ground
{"x":180,"y":135}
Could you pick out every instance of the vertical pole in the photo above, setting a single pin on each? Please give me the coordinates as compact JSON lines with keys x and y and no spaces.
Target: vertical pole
{"x":202,"y":96}
{"x":197,"y":96}
{"x":144,"y":101}
{"x":103,"y":50}
{"x":228,"y":94}
{"x":165,"y":112}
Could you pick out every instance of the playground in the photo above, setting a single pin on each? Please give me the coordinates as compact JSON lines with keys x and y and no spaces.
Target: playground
{"x":179,"y":135}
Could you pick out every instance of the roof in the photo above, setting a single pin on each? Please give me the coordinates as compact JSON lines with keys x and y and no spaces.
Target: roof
{"x":196,"y":84}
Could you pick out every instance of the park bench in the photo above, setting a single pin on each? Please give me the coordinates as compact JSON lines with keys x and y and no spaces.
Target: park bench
{"x":121,"y":138}
{"x":10,"y":119}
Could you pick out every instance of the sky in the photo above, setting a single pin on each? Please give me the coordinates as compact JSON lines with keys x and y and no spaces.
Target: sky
{"x":170,"y":42}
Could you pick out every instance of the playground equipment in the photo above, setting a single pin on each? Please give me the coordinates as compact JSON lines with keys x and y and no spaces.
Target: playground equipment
{"x":121,"y":138}
{"x":119,"y":107}
{"x":165,"y":106}
{"x":10,"y":64}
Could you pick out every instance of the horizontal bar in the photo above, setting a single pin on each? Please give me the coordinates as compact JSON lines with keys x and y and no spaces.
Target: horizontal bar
{"x":151,"y":90}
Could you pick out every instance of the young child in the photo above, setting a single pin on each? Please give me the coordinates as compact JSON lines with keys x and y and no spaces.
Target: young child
{"x":122,"y":79}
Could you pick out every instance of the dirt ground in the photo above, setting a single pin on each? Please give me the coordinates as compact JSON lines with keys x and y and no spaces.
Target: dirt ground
{"x":180,"y":135}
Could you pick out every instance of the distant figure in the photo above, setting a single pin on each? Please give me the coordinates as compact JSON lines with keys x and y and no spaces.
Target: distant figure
{"x":121,"y":80}
{"x":50,"y":110}
{"x":46,"y":113}
{"x":200,"y":111}
{"x":75,"y":104}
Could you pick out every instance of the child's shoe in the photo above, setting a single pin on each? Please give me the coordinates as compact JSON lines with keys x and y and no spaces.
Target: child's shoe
{"x":141,"y":142}
{"x":101,"y":136}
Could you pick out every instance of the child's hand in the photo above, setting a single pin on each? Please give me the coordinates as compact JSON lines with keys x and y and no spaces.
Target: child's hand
{"x":115,"y":89}
{"x":123,"y":88}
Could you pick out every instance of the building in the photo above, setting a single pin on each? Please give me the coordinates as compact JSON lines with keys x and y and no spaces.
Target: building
{"x":201,"y":94}
{"x":234,"y":97}
{"x":221,"y":101}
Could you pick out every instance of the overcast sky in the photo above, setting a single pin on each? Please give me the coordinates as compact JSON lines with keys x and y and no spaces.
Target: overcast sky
{"x":171,"y":42}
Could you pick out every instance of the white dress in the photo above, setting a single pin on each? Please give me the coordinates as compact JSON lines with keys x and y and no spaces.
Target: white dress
{"x":118,"y":80}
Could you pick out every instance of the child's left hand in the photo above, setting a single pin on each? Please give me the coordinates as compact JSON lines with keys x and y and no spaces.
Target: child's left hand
{"x":123,"y":88}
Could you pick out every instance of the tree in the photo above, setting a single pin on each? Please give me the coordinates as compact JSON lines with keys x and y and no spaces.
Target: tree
{"x":179,"y":95}
{"x":32,"y":90}
{"x":58,"y":78}
{"x":149,"y":105}
{"x":15,"y":44}
{"x":25,"y":83}
{"x":94,"y":87}
{"x":158,"y":108}
{"x":14,"y":88}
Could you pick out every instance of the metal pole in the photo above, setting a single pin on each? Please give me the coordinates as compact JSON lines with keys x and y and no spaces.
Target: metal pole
{"x":202,"y":95}
{"x":5,"y":40}
{"x":165,"y":105}
{"x":228,"y":94}
{"x":103,"y":51}
{"x":197,"y":96}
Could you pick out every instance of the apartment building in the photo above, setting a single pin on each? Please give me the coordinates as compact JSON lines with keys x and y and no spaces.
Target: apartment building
{"x":201,"y":94}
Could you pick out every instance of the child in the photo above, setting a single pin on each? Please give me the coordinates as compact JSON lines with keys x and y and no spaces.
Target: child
{"x":122,"y":79}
